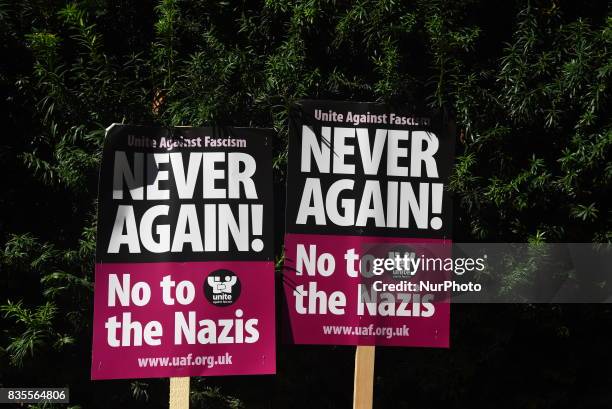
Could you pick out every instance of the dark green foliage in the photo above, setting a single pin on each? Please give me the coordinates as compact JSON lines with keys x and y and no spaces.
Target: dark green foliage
{"x":528,"y":84}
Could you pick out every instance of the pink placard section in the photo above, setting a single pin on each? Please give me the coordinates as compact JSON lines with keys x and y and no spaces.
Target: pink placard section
{"x":325,"y":305}
{"x":183,"y":319}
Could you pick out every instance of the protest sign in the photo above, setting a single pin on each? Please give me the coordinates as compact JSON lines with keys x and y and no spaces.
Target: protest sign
{"x":184,"y":280}
{"x":363,"y":179}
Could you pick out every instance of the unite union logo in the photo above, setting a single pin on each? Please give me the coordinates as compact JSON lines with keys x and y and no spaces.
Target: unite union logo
{"x":222,"y":288}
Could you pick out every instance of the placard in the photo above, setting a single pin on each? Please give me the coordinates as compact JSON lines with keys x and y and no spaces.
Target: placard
{"x":184,"y":281}
{"x":364,"y":181}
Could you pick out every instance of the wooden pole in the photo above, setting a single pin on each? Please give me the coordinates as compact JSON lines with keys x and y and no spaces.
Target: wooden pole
{"x":179,"y":393}
{"x":363,"y":387}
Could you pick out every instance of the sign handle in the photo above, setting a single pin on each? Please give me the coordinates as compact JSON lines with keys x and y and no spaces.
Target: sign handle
{"x":179,"y":393}
{"x":363,"y":386}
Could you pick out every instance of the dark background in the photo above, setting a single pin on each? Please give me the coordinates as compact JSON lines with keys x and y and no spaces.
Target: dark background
{"x":527,"y":83}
